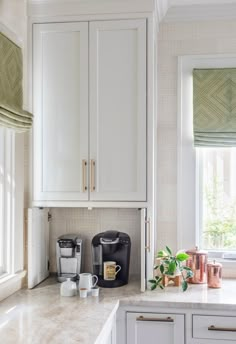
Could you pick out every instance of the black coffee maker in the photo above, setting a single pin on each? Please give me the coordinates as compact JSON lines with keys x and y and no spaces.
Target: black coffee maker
{"x":111,"y":246}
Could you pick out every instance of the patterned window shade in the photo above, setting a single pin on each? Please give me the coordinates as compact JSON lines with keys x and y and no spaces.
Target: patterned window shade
{"x":214,"y":107}
{"x":12,"y":114}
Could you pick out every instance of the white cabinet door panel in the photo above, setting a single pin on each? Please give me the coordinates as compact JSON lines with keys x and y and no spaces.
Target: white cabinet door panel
{"x":145,"y":328}
{"x":118,"y":109}
{"x":60,"y":105}
{"x":38,"y":246}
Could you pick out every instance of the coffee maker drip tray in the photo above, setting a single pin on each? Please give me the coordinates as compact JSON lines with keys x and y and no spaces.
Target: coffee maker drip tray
{"x":110,"y":284}
{"x":63,"y":277}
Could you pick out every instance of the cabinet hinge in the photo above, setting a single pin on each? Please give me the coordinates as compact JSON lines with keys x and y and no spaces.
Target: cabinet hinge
{"x":49,"y":216}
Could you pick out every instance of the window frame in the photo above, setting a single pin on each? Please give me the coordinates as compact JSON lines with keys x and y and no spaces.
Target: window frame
{"x":11,"y":281}
{"x":188,"y":210}
{"x":12,"y":207}
{"x":7,"y":199}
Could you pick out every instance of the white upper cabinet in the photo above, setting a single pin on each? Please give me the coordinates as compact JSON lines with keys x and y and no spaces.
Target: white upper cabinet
{"x":60,"y":105}
{"x":117,"y":87}
{"x":89,"y":102}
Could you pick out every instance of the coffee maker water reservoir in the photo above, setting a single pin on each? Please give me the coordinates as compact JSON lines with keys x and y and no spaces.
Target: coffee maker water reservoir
{"x":111,"y":246}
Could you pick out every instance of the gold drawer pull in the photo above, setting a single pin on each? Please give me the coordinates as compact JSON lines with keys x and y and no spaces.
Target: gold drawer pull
{"x":225,"y":329}
{"x":84,"y":170}
{"x":168,"y":319}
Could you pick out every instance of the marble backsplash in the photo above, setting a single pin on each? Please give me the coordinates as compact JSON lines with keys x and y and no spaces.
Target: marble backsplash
{"x":88,"y":223}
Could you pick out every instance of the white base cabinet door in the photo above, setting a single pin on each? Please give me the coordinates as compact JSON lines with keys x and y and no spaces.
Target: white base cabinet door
{"x":144,"y":328}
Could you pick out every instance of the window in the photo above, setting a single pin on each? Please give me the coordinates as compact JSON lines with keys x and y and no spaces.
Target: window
{"x":11,"y":164}
{"x":11,"y":203}
{"x":7,"y":191}
{"x":197,"y":183}
{"x":217,"y":200}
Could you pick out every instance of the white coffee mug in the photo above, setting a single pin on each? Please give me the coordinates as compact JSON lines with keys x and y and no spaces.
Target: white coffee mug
{"x":86,"y":281}
{"x":110,"y":270}
{"x":83,"y":292}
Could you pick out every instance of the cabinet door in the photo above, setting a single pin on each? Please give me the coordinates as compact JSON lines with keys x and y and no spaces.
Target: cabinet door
{"x":145,"y":328}
{"x":38,"y":246}
{"x":118,"y":110}
{"x":60,"y":106}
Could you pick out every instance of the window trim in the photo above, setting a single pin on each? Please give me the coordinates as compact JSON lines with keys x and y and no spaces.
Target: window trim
{"x":12,"y":281}
{"x":188,"y":160}
{"x":7,"y":206}
{"x":13,"y":184}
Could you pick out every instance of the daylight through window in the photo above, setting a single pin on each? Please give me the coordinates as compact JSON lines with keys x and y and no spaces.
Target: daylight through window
{"x":218,"y":198}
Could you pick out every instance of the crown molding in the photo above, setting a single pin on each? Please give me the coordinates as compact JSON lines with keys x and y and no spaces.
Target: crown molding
{"x":199,"y":12}
{"x":84,"y":7}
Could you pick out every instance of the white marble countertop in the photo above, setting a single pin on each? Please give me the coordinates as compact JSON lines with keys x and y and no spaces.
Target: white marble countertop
{"x":42,"y":316}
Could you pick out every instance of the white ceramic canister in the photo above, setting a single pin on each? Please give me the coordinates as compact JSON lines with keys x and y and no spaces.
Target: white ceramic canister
{"x":68,"y":288}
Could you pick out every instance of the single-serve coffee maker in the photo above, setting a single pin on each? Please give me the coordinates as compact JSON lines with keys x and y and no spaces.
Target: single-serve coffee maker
{"x":69,"y":257}
{"x":111,"y":258}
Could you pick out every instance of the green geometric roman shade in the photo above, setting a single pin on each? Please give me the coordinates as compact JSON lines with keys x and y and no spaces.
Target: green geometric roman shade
{"x":12,"y":114}
{"x":214,"y":107}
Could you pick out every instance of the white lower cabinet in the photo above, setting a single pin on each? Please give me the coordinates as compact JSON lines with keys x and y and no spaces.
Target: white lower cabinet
{"x":144,"y":328}
{"x":108,"y":334}
{"x":167,"y":325}
{"x":209,"y":328}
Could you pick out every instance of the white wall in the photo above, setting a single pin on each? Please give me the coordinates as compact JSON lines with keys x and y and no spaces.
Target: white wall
{"x":13,"y":16}
{"x":175,"y":39}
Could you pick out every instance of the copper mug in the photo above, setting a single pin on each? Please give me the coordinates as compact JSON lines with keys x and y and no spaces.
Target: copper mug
{"x":197,"y":261}
{"x":214,"y":274}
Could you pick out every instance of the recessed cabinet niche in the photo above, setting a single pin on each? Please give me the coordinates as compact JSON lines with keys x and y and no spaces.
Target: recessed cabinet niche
{"x":89,"y":102}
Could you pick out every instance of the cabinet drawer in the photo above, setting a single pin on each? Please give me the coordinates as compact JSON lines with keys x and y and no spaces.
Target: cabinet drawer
{"x":145,"y":328}
{"x":214,"y":327}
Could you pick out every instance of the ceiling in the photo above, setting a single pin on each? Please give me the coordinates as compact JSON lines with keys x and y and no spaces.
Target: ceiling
{"x":187,"y":10}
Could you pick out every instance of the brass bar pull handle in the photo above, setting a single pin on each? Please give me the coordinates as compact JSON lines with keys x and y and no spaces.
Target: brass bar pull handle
{"x":92,"y":175}
{"x":84,"y":170}
{"x":148,"y":241}
{"x":224,"y":329}
{"x":168,"y":319}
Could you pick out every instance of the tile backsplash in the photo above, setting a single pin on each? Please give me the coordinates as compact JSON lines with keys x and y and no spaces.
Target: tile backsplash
{"x":88,"y":223}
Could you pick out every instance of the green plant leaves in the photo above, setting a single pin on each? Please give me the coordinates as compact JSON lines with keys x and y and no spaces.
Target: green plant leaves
{"x":169,"y":250}
{"x":162,"y":268}
{"x":187,"y":268}
{"x":162,"y":254}
{"x":171,"y":268}
{"x":152,"y":281}
{"x":182,"y":256}
{"x":169,"y":264}
{"x":184,"y":285}
{"x":189,"y":274}
{"x":158,"y":279}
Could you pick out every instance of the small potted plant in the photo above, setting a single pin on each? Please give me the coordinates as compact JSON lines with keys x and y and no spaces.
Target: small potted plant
{"x":171,"y":266}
